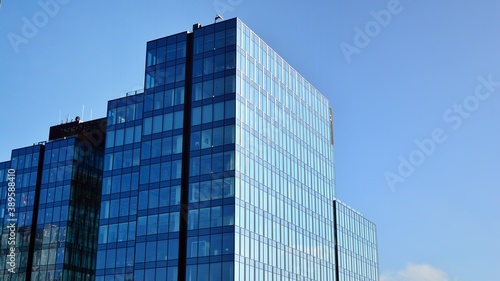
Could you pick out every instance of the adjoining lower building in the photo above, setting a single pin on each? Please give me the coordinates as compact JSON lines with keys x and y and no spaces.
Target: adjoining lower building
{"x":57,"y":202}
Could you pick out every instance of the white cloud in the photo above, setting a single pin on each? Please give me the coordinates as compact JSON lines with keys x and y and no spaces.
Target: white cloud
{"x":416,"y":272}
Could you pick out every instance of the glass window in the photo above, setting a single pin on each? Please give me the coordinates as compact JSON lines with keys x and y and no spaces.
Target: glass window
{"x":229,"y":134}
{"x":193,"y":219}
{"x":176,"y":144}
{"x":230,"y":84}
{"x":230,"y":60}
{"x":163,"y":220}
{"x":198,"y":44}
{"x":217,"y":162}
{"x":205,"y":164}
{"x":204,"y":218}
{"x":175,"y":195}
{"x":171,"y":50}
{"x":119,"y":137}
{"x":181,"y":49}
{"x":160,"y":55}
{"x":158,"y":100}
{"x":127,"y":158}
{"x":194,"y":192}
{"x":154,"y":173}
{"x":140,"y":249}
{"x":176,"y":169}
{"x":110,"y":258}
{"x":156,"y":148}
{"x":208,"y":65}
{"x":230,"y":36}
{"x":174,"y":222}
{"x":208,"y":89}
{"x":144,"y":178}
{"x":151,"y":57}
{"x":170,"y":74}
{"x":228,"y":160}
{"x":219,"y":86}
{"x":228,"y":212}
{"x":230,"y":109}
{"x":124,"y":206}
{"x":178,"y":119}
{"x":157,"y":123}
{"x":166,"y":146}
{"x":216,"y":217}
{"x":141,"y":225}
{"x":169,"y":98}
{"x":194,"y":169}
{"x":180,"y":72}
{"x":195,"y":140}
{"x":219,"y":63}
{"x":147,"y":126}
{"x":129,"y":135}
{"x":218,"y":111}
{"x":168,"y":121}
{"x":197,"y":68}
{"x":166,"y":168}
{"x":218,"y":136}
{"x":179,"y":95}
{"x":146,"y":150}
{"x":152,"y":225}
{"x":153,"y":198}
{"x":216,"y":244}
{"x":196,"y":116}
{"x":220,"y":39}
{"x":164,"y":196}
{"x":197,"y":91}
{"x":206,"y":138}
{"x":208,"y":42}
{"x":148,"y":102}
{"x":207,"y":114}
{"x":173,"y":249}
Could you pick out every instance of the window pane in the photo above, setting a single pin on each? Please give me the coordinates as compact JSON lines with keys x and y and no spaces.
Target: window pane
{"x":197,"y":91}
{"x":207,"y":113}
{"x":169,"y":98}
{"x":218,"y":111}
{"x":208,"y":90}
{"x":178,"y":119}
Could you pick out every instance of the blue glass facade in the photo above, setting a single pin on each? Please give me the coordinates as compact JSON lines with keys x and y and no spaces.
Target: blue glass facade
{"x":57,"y":196}
{"x":356,"y":245}
{"x":221,"y":169}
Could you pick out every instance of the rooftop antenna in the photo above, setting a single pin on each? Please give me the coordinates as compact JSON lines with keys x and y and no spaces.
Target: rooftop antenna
{"x":218,"y":17}
{"x":83,"y":111}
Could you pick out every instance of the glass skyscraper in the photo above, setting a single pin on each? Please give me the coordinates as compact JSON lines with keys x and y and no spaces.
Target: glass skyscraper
{"x":221,"y":169}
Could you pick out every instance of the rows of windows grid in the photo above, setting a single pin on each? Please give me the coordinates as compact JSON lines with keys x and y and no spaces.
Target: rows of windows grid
{"x":291,"y":141}
{"x":247,"y":270}
{"x":266,"y":58}
{"x":263,"y":251}
{"x":207,"y":213}
{"x":25,"y":163}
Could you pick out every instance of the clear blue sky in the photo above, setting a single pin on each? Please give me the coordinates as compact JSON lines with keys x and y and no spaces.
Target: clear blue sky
{"x":409,"y":77}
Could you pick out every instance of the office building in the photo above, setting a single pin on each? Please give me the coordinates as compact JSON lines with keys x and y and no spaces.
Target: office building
{"x":223,"y":169}
{"x":57,"y":201}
